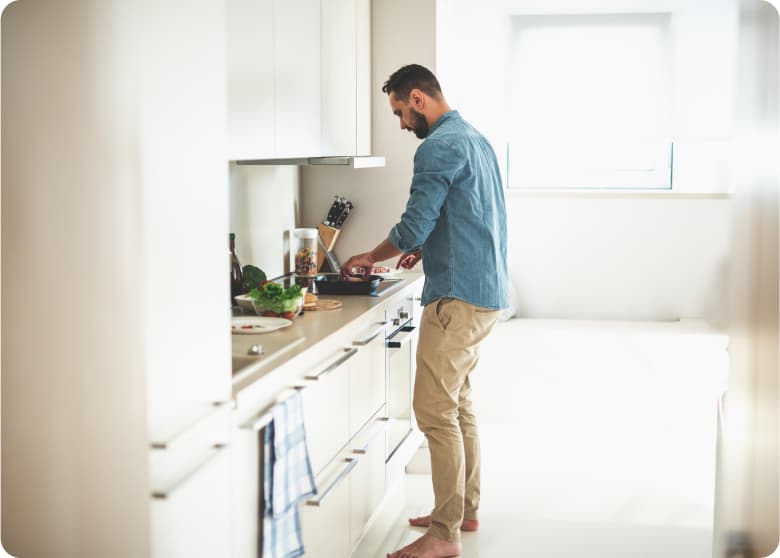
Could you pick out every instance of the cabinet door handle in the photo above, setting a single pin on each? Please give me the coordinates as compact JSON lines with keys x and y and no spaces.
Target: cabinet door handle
{"x":264,"y":417}
{"x":349,"y":464}
{"x":384,"y":423}
{"x":166,"y":493}
{"x":401,"y":338}
{"x":371,"y":336}
{"x":166,"y":441}
{"x":348,"y":354}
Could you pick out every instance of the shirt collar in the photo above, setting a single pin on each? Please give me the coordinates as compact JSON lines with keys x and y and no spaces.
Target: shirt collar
{"x":444,"y":117}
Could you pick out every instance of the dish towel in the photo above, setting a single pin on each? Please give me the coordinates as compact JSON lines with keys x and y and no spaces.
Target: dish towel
{"x":287,"y":480}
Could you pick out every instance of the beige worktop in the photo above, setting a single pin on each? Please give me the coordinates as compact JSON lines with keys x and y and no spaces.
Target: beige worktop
{"x":310,"y":330}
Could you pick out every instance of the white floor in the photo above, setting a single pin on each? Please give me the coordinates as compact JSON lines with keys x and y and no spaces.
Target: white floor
{"x":518,"y":519}
{"x":598,"y":441}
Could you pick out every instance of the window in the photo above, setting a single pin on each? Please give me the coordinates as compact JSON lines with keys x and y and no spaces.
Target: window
{"x":590,"y":102}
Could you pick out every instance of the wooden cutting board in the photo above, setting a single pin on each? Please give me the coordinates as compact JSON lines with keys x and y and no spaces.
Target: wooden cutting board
{"x":323,"y":304}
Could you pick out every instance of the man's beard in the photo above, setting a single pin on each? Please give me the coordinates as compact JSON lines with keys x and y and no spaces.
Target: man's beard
{"x":419,"y":125}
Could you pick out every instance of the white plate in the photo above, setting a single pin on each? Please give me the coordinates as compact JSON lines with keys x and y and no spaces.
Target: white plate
{"x":257,"y":324}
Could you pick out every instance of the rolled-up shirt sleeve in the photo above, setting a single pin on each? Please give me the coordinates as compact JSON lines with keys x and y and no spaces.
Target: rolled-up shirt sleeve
{"x":435,"y":165}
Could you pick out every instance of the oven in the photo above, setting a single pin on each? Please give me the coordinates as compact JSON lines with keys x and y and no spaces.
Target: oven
{"x":400,"y":348}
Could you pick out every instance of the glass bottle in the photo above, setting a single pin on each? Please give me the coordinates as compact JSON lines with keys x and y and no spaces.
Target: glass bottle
{"x":305,"y":251}
{"x":236,"y":277}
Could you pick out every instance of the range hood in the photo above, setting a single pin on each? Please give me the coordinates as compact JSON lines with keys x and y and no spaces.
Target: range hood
{"x":348,"y":161}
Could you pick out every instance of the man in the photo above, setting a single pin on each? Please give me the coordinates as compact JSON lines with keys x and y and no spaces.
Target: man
{"x":455,"y":221}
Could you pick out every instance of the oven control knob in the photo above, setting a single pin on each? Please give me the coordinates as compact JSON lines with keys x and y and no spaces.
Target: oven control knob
{"x":403,"y":315}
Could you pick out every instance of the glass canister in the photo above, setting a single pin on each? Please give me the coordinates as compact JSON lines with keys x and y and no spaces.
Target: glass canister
{"x":305,"y":246}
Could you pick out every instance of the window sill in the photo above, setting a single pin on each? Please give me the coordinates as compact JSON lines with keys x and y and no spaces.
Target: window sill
{"x":644,"y":194}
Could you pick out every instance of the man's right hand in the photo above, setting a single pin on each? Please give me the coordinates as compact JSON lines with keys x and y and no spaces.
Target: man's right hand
{"x":364,"y":261}
{"x":408,"y":261}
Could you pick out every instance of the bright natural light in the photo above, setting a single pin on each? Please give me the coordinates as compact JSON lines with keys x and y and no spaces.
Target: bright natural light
{"x":590,"y":102}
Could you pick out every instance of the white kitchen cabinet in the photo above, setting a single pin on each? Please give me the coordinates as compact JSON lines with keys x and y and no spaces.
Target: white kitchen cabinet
{"x":367,"y":375}
{"x":367,"y":485}
{"x":191,"y":499}
{"x":274,"y":79}
{"x":346,"y":77}
{"x":297,"y":78}
{"x":132,"y":199}
{"x":350,"y":490}
{"x":251,"y":79}
{"x":193,"y":520}
{"x":325,"y":519}
{"x":341,"y":379}
{"x":326,"y":409}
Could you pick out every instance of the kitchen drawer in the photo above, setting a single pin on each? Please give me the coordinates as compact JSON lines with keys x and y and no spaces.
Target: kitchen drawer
{"x":326,"y":408}
{"x":367,"y":376}
{"x":190,"y":511}
{"x":367,"y":484}
{"x":325,"y":517}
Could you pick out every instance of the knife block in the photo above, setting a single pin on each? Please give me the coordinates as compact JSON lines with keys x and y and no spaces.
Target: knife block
{"x":328,"y":237}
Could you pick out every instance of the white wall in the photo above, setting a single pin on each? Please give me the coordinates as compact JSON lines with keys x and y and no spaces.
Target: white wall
{"x":263,"y":211}
{"x":622,"y":258}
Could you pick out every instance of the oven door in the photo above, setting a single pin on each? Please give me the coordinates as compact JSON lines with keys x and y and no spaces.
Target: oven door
{"x":400,"y":367}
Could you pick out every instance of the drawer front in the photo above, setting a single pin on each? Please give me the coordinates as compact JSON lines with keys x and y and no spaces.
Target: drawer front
{"x":182,"y":527}
{"x":326,"y":409}
{"x":326,"y":525}
{"x":367,"y":378}
{"x":368,"y":479}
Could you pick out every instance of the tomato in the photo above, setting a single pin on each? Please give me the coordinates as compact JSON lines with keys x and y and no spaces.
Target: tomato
{"x":288,"y":315}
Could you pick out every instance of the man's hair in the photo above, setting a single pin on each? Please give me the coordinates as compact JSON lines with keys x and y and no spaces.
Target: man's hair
{"x":413,"y":76}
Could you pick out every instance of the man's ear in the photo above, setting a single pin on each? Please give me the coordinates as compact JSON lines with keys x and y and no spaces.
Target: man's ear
{"x":417,"y":99}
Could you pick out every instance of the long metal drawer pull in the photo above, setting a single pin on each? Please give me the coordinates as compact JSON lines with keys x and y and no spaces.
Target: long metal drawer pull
{"x":350,"y":463}
{"x":215,"y":408}
{"x":348,"y":354}
{"x":264,"y":417}
{"x":373,"y":335}
{"x":163,"y":494}
{"x":381,"y":430}
{"x":407,"y":336}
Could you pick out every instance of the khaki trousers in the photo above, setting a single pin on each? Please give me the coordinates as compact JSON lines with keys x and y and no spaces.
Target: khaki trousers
{"x":450,"y":333}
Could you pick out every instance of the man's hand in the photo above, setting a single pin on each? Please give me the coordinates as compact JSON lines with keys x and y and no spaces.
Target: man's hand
{"x":364,"y":261}
{"x":408,"y":261}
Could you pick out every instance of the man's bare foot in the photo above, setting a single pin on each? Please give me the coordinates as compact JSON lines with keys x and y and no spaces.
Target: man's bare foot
{"x":428,"y":546}
{"x":425,"y":521}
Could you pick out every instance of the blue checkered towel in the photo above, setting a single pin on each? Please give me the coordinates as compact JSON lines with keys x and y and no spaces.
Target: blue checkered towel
{"x":287,"y":480}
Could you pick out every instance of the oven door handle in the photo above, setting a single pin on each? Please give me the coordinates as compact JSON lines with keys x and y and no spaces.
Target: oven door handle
{"x":401,"y":337}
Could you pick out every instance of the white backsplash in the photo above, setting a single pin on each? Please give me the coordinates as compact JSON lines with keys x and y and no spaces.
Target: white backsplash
{"x":263,"y":211}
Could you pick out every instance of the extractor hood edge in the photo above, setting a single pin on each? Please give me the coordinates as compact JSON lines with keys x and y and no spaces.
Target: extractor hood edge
{"x":355,"y":162}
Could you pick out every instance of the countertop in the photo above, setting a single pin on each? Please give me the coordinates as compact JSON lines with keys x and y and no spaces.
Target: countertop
{"x":307,"y":331}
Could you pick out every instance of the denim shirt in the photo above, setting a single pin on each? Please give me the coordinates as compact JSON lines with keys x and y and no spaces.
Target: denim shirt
{"x":456,"y":214}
